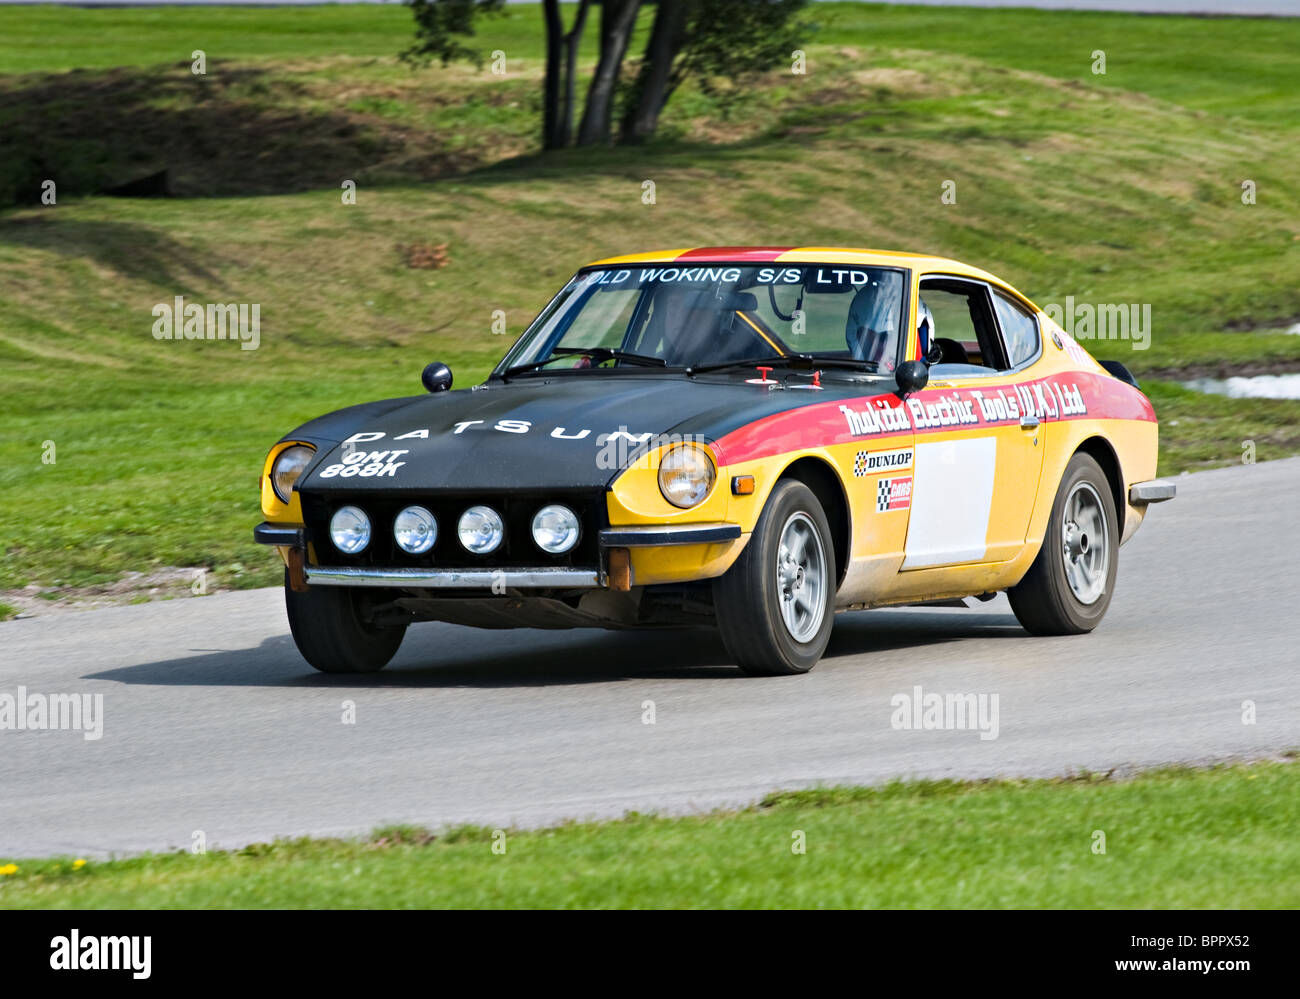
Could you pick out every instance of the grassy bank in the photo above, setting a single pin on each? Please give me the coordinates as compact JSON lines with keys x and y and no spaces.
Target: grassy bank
{"x":1220,"y":838}
{"x":1117,"y":188}
{"x":1232,"y":66}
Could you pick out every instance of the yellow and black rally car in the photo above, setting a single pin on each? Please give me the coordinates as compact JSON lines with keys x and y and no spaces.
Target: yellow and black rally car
{"x":750,"y":437}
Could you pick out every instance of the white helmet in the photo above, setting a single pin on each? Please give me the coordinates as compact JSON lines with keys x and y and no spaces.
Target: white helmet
{"x":924,"y":326}
{"x":872,"y":325}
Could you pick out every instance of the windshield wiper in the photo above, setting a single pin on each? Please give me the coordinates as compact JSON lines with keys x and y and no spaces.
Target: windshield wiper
{"x":598,"y":355}
{"x":804,"y":362}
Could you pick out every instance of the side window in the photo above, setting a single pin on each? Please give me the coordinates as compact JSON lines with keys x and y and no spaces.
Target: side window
{"x":1019,"y":329}
{"x":952,"y":319}
{"x":963,"y":328}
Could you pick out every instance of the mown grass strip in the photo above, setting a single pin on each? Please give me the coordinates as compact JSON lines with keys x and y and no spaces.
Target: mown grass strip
{"x":1178,"y":838}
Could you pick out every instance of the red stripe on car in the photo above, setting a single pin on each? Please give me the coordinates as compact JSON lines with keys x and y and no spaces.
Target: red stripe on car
{"x":1076,"y":395}
{"x":735,"y":254}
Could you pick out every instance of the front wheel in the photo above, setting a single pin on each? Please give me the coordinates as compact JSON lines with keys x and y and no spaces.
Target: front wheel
{"x":330,"y":630}
{"x":775,"y":605}
{"x":1068,"y":588}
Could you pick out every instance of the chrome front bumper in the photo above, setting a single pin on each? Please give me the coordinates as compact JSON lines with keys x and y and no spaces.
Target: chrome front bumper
{"x":526,"y":577}
{"x":447,"y":579}
{"x":654,"y":535}
{"x":279,"y":534}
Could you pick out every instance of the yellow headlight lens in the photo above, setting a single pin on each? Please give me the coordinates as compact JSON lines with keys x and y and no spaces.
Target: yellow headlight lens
{"x":288,"y":468}
{"x":686,"y":475}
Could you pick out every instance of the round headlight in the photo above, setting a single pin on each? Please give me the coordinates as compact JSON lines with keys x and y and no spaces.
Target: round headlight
{"x":555,"y":529}
{"x":686,"y":475}
{"x":481,"y":530}
{"x":350,"y":529}
{"x":415,"y":530}
{"x":288,"y":468}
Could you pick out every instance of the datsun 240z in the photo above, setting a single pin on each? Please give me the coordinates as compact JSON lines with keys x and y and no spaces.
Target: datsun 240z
{"x":752,"y":438}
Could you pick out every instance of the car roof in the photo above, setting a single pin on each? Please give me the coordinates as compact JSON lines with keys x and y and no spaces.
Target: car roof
{"x":800,"y":255}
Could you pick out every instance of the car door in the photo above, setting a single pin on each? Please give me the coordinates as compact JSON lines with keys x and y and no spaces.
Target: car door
{"x":978,"y":452}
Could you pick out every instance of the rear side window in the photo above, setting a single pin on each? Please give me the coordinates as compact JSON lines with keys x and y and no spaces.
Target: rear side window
{"x":1019,"y":329}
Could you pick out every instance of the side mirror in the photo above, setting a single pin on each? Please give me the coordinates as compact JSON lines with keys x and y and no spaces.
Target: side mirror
{"x":912,"y":377}
{"x":436,"y":377}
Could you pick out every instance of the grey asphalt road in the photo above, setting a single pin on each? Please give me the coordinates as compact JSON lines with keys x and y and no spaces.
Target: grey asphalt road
{"x":213,"y":724}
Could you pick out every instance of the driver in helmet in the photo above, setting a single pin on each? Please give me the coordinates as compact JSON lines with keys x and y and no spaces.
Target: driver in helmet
{"x":871,"y":330}
{"x":924,"y":326}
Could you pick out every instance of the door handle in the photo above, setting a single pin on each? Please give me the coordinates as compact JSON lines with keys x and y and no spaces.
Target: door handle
{"x":1029,"y":423}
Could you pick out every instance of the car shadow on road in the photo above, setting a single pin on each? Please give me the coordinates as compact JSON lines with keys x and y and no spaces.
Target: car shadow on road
{"x":440,"y":655}
{"x":886,"y":630}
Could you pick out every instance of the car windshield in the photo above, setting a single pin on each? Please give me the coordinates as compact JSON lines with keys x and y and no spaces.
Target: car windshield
{"x":682,"y":317}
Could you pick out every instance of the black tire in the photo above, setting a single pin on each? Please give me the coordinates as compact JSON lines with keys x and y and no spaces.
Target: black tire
{"x":750,"y":596}
{"x":330,"y":633}
{"x":1045,"y":601}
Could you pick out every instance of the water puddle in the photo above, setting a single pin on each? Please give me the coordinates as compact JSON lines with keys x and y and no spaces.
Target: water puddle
{"x":1253,"y":387}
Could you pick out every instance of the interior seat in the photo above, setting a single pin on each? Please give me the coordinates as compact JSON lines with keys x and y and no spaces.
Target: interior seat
{"x":952,"y":352}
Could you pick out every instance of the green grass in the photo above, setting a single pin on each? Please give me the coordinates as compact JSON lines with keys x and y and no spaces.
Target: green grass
{"x":1231,"y":66}
{"x":1199,"y":430}
{"x":1173,"y":839}
{"x":56,"y":39}
{"x":1123,"y":188}
{"x":1224,"y":65}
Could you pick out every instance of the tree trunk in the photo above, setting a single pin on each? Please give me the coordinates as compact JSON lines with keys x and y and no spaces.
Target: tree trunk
{"x":653,"y":81}
{"x":571,"y":42}
{"x":551,"y":86}
{"x":617,"y":18}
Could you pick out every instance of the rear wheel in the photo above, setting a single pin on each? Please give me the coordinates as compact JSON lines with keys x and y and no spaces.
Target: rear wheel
{"x":330,"y":630}
{"x":1068,"y":588}
{"x":775,"y":605}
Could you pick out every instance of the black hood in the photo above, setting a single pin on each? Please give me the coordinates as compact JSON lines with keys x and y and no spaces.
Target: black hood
{"x":574,"y":431}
